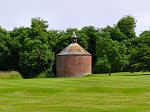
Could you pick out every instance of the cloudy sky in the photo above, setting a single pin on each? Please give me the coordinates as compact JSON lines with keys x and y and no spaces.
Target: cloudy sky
{"x":62,"y":14}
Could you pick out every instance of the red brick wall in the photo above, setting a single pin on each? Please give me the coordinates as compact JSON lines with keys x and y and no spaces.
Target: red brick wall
{"x":73,"y":65}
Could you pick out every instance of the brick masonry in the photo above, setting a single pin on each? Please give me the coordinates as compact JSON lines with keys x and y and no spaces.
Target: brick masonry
{"x":73,"y":65}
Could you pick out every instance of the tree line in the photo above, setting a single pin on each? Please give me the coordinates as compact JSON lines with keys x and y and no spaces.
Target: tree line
{"x":32,"y":50}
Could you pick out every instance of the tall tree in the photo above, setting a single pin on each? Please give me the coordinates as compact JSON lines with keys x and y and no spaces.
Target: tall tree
{"x":18,"y":36}
{"x":140,"y":55}
{"x":5,"y":52}
{"x":111,"y":55}
{"x":37,"y":55}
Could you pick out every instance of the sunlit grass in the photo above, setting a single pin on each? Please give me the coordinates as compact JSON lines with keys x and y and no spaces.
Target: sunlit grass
{"x":122,"y":92}
{"x":10,"y":75}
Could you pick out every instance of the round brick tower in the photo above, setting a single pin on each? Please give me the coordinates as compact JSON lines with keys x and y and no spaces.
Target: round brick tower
{"x":74,"y":60}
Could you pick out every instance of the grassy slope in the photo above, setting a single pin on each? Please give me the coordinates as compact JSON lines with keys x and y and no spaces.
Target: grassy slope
{"x":87,"y":94}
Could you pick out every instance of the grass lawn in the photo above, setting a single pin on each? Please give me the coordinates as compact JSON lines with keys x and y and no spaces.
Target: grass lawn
{"x":122,"y":92}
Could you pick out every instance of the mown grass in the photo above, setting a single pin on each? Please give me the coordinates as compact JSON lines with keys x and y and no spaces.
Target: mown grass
{"x":122,"y":92}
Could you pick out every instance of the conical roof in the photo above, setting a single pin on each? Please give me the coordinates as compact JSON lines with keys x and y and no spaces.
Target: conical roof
{"x":74,"y":49}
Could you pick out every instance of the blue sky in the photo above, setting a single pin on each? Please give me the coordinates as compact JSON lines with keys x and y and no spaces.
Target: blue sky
{"x":62,"y":14}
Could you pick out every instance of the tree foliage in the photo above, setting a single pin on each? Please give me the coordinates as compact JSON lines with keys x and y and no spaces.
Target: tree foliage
{"x":140,"y":55}
{"x":32,"y":50}
{"x":111,"y":54}
{"x":5,"y":50}
{"x":127,"y":26}
{"x":37,"y":55}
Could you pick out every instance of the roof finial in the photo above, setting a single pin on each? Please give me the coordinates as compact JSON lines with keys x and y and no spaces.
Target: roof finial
{"x":74,"y":37}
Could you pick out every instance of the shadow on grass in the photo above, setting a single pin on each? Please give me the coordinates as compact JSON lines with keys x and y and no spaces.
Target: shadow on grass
{"x":146,"y":74}
{"x":134,"y":74}
{"x":121,"y":74}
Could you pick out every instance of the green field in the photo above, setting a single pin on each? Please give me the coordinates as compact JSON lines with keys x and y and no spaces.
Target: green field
{"x":122,"y":92}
